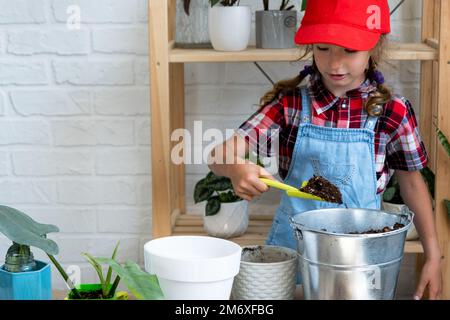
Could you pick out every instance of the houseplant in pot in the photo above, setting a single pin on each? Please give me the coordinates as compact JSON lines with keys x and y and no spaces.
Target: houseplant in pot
{"x":266,"y":273}
{"x":141,"y":284}
{"x":226,"y":214}
{"x":192,"y":24}
{"x":275,"y":29}
{"x":22,"y":277}
{"x":229,"y":25}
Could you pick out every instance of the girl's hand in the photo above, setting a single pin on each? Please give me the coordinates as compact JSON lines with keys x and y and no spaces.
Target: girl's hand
{"x":245,"y":180}
{"x":430,"y":277}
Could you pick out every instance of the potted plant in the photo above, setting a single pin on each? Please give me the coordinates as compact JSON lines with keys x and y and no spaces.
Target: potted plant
{"x":266,"y":273}
{"x":226,"y":214}
{"x":192,"y":24}
{"x":22,"y":277}
{"x":275,"y":29}
{"x":141,"y":284}
{"x":229,"y":25}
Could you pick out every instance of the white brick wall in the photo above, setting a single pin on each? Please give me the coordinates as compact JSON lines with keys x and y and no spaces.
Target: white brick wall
{"x":74,"y":118}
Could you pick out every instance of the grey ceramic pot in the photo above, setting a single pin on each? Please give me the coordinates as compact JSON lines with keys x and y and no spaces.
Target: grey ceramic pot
{"x":275,"y":29}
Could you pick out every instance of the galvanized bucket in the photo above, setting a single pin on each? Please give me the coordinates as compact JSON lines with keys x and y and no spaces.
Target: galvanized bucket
{"x":338,"y":265}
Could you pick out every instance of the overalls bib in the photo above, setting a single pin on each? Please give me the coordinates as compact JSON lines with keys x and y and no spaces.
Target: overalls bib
{"x":346,"y":157}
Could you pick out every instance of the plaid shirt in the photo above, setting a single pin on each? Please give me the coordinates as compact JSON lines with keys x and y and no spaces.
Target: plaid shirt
{"x":397,"y":140}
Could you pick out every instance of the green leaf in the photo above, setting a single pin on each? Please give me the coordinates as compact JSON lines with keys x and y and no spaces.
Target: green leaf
{"x":201,"y":191}
{"x":303,"y":5}
{"x":212,"y":206}
{"x":389,"y":194}
{"x":229,"y":196}
{"x":20,"y":228}
{"x":95,"y":262}
{"x":143,"y":285}
{"x":217,"y":183}
{"x":444,"y":141}
{"x":213,"y":2}
{"x":221,"y":185}
{"x":108,"y":275}
{"x":447,"y":205}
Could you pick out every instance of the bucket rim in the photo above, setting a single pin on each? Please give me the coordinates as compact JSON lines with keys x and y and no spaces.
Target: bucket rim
{"x":409,"y":216}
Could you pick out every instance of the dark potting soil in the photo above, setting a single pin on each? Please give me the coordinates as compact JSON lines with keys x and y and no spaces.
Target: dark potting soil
{"x":89,"y":295}
{"x":260,"y":255}
{"x":321,"y":187}
{"x":385,"y":229}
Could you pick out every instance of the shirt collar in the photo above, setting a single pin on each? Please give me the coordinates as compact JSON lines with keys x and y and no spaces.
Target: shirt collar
{"x":322,"y":99}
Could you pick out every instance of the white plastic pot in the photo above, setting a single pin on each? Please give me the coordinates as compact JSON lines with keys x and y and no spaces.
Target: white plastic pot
{"x":193,"y":267}
{"x":229,"y":27}
{"x":230,"y":221}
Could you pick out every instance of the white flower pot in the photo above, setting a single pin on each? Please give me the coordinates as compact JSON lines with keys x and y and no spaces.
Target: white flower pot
{"x":230,"y":221}
{"x":193,"y":267}
{"x":401,"y":208}
{"x":229,"y":27}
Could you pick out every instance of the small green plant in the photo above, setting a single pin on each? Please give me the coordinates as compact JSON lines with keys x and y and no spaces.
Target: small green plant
{"x":284,"y":6}
{"x":144,"y":286}
{"x":225,"y":3}
{"x":215,"y":190}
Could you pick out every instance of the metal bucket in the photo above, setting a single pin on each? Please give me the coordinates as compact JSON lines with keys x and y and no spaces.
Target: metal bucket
{"x":337,"y":265}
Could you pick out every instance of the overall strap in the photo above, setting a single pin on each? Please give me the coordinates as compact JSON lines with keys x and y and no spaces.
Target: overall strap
{"x":306,"y":106}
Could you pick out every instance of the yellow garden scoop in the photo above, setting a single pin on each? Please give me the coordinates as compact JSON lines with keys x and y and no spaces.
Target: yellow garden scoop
{"x":290,"y":190}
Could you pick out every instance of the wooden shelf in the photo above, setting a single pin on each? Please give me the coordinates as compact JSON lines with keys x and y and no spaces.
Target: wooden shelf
{"x":395,"y":51}
{"x":256,"y":234}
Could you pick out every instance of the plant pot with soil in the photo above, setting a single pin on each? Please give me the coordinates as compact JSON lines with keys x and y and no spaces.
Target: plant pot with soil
{"x":266,"y":273}
{"x":226,"y":214}
{"x":22,"y":277}
{"x":275,"y":29}
{"x":141,"y":284}
{"x":192,"y":24}
{"x":229,"y":25}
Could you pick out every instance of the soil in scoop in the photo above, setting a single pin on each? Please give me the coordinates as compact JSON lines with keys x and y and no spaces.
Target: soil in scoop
{"x":260,"y":255}
{"x":321,"y":187}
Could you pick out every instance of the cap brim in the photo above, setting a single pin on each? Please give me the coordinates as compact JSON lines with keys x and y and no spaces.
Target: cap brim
{"x":340,"y":35}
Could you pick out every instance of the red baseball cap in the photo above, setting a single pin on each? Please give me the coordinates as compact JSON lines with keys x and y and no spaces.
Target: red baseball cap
{"x":352,"y":24}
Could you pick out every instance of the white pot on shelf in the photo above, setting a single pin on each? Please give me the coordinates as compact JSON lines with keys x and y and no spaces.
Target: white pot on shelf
{"x":229,"y":27}
{"x":230,"y":221}
{"x":401,"y":208}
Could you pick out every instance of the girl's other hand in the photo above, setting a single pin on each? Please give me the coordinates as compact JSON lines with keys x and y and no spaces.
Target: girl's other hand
{"x":245,"y":180}
{"x":430,"y":277}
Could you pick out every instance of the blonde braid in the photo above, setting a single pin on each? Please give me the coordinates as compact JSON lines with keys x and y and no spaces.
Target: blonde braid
{"x":377,"y":99}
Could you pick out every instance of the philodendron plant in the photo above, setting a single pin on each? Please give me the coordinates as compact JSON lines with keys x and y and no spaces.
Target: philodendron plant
{"x":24,"y":232}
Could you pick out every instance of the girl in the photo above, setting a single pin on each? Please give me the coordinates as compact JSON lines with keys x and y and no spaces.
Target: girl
{"x":344,"y":125}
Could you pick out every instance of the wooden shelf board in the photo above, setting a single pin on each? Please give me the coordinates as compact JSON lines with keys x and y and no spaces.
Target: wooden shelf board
{"x":258,"y":228}
{"x":395,"y":51}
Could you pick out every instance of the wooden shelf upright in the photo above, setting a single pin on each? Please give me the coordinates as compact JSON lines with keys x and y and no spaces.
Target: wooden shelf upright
{"x":167,"y":114}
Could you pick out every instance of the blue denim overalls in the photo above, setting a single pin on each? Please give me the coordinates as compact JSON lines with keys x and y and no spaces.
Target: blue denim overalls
{"x":346,"y":157}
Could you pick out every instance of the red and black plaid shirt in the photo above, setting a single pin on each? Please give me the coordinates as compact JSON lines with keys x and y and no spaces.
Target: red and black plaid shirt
{"x":397,"y":140}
